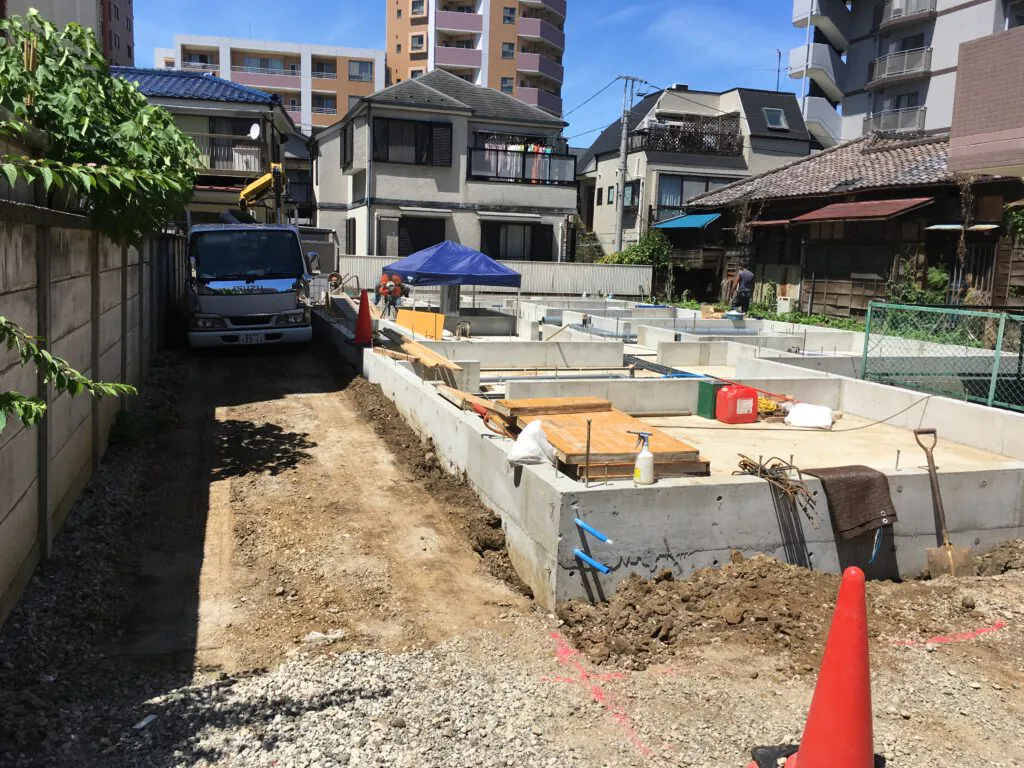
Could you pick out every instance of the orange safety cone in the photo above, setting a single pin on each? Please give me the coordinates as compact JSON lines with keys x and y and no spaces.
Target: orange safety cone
{"x":839,"y":730}
{"x":364,"y":326}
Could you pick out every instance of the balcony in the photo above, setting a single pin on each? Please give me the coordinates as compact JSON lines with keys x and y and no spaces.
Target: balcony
{"x":460,"y":58}
{"x":538,"y":64}
{"x":555,"y":6}
{"x":541,"y":31}
{"x":230,"y":155}
{"x":898,"y":13}
{"x":832,"y":17}
{"x":824,"y":66}
{"x":538,"y":97}
{"x":325,"y":110}
{"x":899,"y":67}
{"x":260,"y":77}
{"x":824,"y":123}
{"x":198,"y":66}
{"x":522,"y":167}
{"x":695,"y":135}
{"x":459,"y":22}
{"x":909,"y":120}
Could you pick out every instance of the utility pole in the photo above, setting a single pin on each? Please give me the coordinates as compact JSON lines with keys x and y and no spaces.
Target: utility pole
{"x":628,"y":84}
{"x":778,"y":70}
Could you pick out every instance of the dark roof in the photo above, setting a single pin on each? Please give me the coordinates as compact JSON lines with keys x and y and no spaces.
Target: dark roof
{"x":416,"y":93}
{"x":874,"y":161}
{"x":755,"y":101}
{"x":487,"y":103}
{"x":198,"y":86}
{"x":611,"y":137}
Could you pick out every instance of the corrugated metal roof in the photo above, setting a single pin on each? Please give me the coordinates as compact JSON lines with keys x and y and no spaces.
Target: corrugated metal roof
{"x":866,"y":209}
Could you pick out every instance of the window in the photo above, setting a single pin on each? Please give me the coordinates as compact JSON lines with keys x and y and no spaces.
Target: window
{"x":293,"y":69}
{"x":416,"y":42}
{"x":508,"y":15}
{"x":117,"y":40}
{"x":347,"y":149}
{"x":911,"y":43}
{"x":325,"y":103}
{"x":398,"y":14}
{"x":775,"y":119}
{"x":263,"y":63}
{"x":128,"y":21}
{"x":631,"y":194}
{"x":517,"y":242}
{"x":508,"y":50}
{"x":418,"y":8}
{"x":398,"y":47}
{"x":352,"y":101}
{"x":600,"y":195}
{"x":129,"y":49}
{"x":412,"y":142}
{"x":414,"y":73}
{"x":350,"y":237}
{"x":611,"y":195}
{"x":325,"y":69}
{"x":117,"y":12}
{"x":674,"y":191}
{"x":901,"y":101}
{"x":360,"y":71}
{"x":508,"y":84}
{"x":293,"y":103}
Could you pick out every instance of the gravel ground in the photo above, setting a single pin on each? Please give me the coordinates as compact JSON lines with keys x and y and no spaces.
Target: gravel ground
{"x":490,"y":682}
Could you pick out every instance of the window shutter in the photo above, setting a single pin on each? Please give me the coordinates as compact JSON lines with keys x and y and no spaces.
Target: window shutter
{"x":441,"y":144}
{"x":380,"y":139}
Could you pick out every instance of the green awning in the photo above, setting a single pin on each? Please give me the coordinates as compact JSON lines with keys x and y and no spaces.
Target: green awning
{"x":689,"y":221}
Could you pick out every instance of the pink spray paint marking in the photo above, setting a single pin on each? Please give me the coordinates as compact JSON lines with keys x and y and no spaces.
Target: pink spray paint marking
{"x":959,"y":637}
{"x":569,"y":657}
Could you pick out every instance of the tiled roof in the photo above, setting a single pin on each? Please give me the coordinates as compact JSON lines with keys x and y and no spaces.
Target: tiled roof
{"x":870,"y":162}
{"x":197,"y":86}
{"x":417,"y":94}
{"x":488,"y":103}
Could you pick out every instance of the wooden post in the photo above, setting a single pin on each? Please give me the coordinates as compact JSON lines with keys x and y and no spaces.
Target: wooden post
{"x":44,"y":391}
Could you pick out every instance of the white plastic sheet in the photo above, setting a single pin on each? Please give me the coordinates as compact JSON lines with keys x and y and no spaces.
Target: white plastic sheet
{"x":810,"y":416}
{"x":532,"y":447}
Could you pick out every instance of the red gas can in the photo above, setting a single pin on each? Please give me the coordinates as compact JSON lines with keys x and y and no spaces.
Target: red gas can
{"x":736,"y":405}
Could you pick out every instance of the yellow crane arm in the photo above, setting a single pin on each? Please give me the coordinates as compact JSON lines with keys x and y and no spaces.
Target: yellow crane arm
{"x":256,"y":191}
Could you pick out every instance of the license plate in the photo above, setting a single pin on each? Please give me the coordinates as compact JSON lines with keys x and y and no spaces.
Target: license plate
{"x":251,"y":338}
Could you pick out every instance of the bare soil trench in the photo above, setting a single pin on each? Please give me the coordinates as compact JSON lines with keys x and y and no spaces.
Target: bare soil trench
{"x":255,"y":499}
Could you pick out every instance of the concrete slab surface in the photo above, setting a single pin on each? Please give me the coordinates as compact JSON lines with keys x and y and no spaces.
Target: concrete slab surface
{"x":872,"y":445}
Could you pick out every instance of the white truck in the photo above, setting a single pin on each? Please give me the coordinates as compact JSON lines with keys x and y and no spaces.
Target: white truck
{"x":247,"y":284}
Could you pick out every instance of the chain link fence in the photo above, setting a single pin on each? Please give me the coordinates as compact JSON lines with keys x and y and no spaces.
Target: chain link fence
{"x":965,"y":354}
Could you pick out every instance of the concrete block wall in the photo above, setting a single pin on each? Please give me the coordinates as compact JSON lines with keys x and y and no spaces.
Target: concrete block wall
{"x":90,"y":299}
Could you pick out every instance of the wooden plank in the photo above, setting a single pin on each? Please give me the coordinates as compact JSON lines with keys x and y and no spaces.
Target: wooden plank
{"x":424,"y":355}
{"x":464,"y":400}
{"x":551,"y":405}
{"x":400,"y":356}
{"x":610,"y":439}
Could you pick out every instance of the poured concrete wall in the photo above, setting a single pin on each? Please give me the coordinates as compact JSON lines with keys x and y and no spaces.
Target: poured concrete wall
{"x":638,"y":397}
{"x":92,"y":300}
{"x":498,"y":355}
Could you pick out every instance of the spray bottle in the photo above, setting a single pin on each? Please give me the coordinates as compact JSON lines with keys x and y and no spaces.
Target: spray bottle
{"x":643,"y":471}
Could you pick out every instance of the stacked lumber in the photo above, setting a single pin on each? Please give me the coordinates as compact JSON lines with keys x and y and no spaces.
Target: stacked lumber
{"x":613,"y":449}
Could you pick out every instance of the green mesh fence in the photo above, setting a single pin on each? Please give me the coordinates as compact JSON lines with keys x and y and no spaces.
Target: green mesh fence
{"x":964,"y":354}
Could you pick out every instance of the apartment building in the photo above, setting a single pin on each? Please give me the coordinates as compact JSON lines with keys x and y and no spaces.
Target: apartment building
{"x":889,"y":66}
{"x":317,"y":83}
{"x":437,"y":158}
{"x":988,"y":114}
{"x":112,"y":20}
{"x":683,"y":143}
{"x":512,"y":46}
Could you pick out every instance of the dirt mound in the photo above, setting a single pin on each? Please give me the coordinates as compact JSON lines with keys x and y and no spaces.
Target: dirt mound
{"x":1008,"y":556}
{"x":480,"y":525}
{"x":760,"y":600}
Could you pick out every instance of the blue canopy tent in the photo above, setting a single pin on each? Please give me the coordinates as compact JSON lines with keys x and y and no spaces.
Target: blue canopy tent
{"x":452,"y":265}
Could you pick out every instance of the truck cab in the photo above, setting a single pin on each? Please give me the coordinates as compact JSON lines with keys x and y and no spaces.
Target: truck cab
{"x":248,"y":284}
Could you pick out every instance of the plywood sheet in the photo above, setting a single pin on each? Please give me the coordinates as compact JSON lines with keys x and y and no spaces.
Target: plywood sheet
{"x":610,"y":438}
{"x":551,"y":405}
{"x":429,"y":324}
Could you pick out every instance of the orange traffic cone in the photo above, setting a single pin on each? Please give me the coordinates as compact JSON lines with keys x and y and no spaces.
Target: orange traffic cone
{"x":364,"y":326}
{"x":839,"y":728}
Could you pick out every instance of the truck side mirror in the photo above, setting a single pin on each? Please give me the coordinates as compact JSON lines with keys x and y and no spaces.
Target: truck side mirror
{"x":314,"y":262}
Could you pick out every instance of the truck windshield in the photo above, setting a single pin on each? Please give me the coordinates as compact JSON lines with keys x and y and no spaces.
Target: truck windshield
{"x":242,"y":255}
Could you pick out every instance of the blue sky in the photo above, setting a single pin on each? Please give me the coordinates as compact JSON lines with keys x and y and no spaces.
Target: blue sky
{"x":707,"y":44}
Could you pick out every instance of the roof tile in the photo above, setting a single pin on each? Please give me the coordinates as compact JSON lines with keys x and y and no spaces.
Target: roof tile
{"x":199,"y":86}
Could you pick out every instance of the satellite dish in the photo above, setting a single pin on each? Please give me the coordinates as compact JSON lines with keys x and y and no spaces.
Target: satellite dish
{"x":254,"y":131}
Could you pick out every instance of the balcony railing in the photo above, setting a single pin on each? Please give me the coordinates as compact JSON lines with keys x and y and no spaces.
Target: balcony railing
{"x":540,"y":64}
{"x":555,"y":6}
{"x":459,"y":21}
{"x":200,"y":66}
{"x":904,"y":65}
{"x":538,"y":29}
{"x":897,"y":12}
{"x":463,"y":58}
{"x":698,"y":135}
{"x":265,"y":71}
{"x":325,"y":110}
{"x":522,"y":167}
{"x":539,"y":97}
{"x":323,"y":74}
{"x":232,"y":154}
{"x":896,"y":121}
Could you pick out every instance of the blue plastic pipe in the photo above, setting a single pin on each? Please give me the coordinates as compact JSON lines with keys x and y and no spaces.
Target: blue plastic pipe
{"x":591,"y":561}
{"x":593,"y":531}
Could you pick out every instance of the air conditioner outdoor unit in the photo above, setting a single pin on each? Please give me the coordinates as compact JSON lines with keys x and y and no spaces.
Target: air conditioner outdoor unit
{"x":784,"y":304}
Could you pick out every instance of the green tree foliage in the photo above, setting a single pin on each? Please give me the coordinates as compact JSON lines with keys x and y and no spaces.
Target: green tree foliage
{"x":29,"y":410}
{"x":125,"y":158}
{"x":652,"y":249}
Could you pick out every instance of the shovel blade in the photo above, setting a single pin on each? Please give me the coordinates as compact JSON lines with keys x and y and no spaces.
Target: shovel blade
{"x":950,"y":561}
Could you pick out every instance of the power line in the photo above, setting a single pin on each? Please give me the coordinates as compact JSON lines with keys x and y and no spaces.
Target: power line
{"x":583,"y":104}
{"x":592,"y":130}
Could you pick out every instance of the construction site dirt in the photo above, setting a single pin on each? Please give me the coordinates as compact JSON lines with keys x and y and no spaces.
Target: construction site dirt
{"x":272,"y":569}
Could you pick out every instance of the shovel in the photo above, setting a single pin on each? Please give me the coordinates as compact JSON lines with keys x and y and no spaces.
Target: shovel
{"x":947,"y":559}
